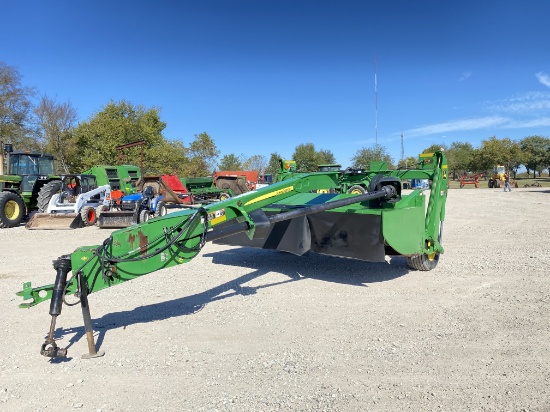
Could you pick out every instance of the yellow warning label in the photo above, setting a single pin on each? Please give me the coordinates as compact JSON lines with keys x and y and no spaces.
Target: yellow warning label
{"x":270,"y":195}
{"x":217,"y":217}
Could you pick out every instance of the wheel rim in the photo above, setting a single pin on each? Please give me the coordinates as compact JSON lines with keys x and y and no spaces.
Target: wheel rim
{"x":12,"y":210}
{"x":91,"y":215}
{"x":356,"y":192}
{"x":431,"y":256}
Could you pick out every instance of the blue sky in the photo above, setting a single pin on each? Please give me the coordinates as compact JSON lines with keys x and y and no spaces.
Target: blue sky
{"x":264,"y":76}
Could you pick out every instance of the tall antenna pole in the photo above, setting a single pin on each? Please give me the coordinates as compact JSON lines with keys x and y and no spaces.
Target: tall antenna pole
{"x":375,"y":102}
{"x":402,"y":146}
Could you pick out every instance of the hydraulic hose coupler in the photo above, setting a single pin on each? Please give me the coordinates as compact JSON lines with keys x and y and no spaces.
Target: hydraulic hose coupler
{"x":62,"y":265}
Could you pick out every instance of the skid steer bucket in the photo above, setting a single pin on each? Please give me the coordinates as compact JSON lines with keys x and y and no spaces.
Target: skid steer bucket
{"x":117,"y":219}
{"x":54,"y":221}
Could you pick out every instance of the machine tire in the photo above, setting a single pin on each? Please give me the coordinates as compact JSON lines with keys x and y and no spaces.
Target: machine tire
{"x":88,"y":215}
{"x":45,"y":194}
{"x":374,"y":182}
{"x":98,"y":210}
{"x":143,"y":216}
{"x":224,"y":196}
{"x":423,"y":262}
{"x":12,"y":209}
{"x":161,"y":209}
{"x":356,"y":190}
{"x":490,"y":184}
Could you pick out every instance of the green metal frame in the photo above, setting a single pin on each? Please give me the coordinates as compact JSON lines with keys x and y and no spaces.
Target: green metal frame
{"x":409,"y":226}
{"x":123,"y":176}
{"x":204,"y":186}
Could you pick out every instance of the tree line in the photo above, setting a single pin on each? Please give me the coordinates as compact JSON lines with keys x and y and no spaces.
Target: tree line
{"x":43,"y":124}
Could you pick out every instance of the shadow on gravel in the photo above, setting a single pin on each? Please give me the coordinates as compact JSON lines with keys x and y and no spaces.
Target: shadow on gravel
{"x":310,"y":266}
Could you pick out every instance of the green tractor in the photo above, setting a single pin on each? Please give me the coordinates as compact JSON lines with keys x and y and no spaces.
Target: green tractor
{"x":22,"y":175}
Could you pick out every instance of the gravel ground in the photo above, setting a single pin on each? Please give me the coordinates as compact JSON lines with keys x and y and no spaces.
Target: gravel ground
{"x":243,"y":329}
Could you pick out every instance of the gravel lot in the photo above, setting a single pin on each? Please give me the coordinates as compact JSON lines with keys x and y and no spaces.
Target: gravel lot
{"x":251,"y":330}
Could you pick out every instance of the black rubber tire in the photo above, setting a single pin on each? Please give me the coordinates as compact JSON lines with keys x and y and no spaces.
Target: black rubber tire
{"x":374,"y":182}
{"x":423,"y":262}
{"x":88,"y":214}
{"x":144,"y":216}
{"x":12,"y":209}
{"x":357,"y":190}
{"x":45,"y":194}
{"x":99,"y":210}
{"x":224,"y":196}
{"x":161,"y":209}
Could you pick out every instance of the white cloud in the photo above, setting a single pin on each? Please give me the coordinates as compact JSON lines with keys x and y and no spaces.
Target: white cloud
{"x":525,"y":103}
{"x":464,"y":76}
{"x":543,"y":78}
{"x":519,"y":124}
{"x":458,"y":125}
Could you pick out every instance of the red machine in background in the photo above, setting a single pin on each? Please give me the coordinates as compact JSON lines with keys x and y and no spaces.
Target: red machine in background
{"x":470,"y":180}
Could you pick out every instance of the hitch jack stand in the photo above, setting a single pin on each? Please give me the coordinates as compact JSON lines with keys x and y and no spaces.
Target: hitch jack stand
{"x":92,"y":352}
{"x":49,"y":348}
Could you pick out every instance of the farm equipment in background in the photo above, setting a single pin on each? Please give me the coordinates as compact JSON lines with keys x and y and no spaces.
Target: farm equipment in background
{"x":177,"y":193}
{"x":351,"y":180}
{"x":466,"y":179}
{"x":288,"y":216}
{"x":496,"y":179}
{"x":122,"y":177}
{"x":64,"y":206}
{"x":135,"y":208}
{"x":264,"y":180}
{"x":22,"y":175}
{"x":75,"y":206}
{"x":498,"y":176}
{"x":238,"y":181}
{"x":204,"y":190}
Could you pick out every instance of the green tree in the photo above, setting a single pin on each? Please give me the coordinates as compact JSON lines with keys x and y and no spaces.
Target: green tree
{"x":436,"y":147}
{"x":16,"y":110}
{"x":376,"y":153}
{"x":56,"y":121}
{"x":325,"y":157}
{"x":117,"y":124}
{"x":493,"y":152}
{"x":407,"y":163}
{"x":167,"y":157}
{"x":306,"y":158}
{"x":230,"y":162}
{"x":202,"y":156}
{"x":537,"y":153}
{"x":517,"y":158}
{"x":256,"y":162}
{"x":459,"y":157}
{"x":272,"y":167}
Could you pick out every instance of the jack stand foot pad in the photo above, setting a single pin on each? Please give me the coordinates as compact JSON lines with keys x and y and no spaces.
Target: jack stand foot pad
{"x":94,"y":355}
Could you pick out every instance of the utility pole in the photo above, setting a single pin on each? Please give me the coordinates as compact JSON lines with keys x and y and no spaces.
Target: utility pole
{"x":375,"y":103}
